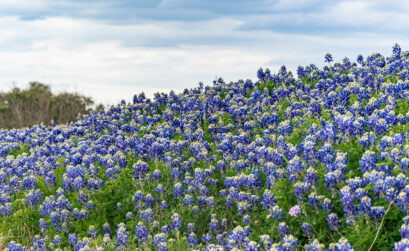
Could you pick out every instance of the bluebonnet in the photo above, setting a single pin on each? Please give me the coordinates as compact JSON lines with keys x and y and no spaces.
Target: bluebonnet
{"x":331,"y":140}
{"x":333,"y":222}
{"x":92,"y":231}
{"x":283,"y":229}
{"x":192,"y":240}
{"x":122,"y":235}
{"x":307,"y":229}
{"x":314,"y":246}
{"x":341,"y":245}
{"x":328,"y":58}
{"x":106,"y":229}
{"x":142,"y":232}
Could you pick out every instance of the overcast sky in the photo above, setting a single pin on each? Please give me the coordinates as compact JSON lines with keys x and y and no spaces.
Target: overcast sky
{"x":112,"y":49}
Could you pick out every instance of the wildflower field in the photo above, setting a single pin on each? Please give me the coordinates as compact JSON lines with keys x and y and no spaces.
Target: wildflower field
{"x":316,"y":160}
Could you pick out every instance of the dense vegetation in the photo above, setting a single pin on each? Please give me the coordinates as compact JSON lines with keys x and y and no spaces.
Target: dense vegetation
{"x":37,"y":104}
{"x":315,"y":162}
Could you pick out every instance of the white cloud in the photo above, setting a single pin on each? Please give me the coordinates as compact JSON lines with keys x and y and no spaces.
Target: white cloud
{"x":88,"y":56}
{"x":24,"y":4}
{"x":109,"y":72}
{"x":112,"y":62}
{"x":60,"y":53}
{"x":291,"y":5}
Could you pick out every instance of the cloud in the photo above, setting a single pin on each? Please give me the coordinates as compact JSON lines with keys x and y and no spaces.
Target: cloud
{"x":332,"y":18}
{"x":85,"y":54}
{"x":114,"y":49}
{"x":110,"y":73}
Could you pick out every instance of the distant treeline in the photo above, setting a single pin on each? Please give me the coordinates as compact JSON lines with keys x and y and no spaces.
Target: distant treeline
{"x":37,"y":104}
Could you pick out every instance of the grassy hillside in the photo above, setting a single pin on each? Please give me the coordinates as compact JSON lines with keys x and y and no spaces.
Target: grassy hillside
{"x":316,"y":161}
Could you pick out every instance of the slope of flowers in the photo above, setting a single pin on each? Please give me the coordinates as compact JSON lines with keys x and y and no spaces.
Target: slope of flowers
{"x":315,"y":162}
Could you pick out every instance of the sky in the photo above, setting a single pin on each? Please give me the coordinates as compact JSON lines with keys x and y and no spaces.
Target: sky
{"x":113,"y":49}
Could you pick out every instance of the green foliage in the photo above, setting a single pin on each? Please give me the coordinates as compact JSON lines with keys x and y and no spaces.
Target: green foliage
{"x":25,"y":148}
{"x":37,"y":104}
{"x":122,"y":189}
{"x":270,"y":85}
